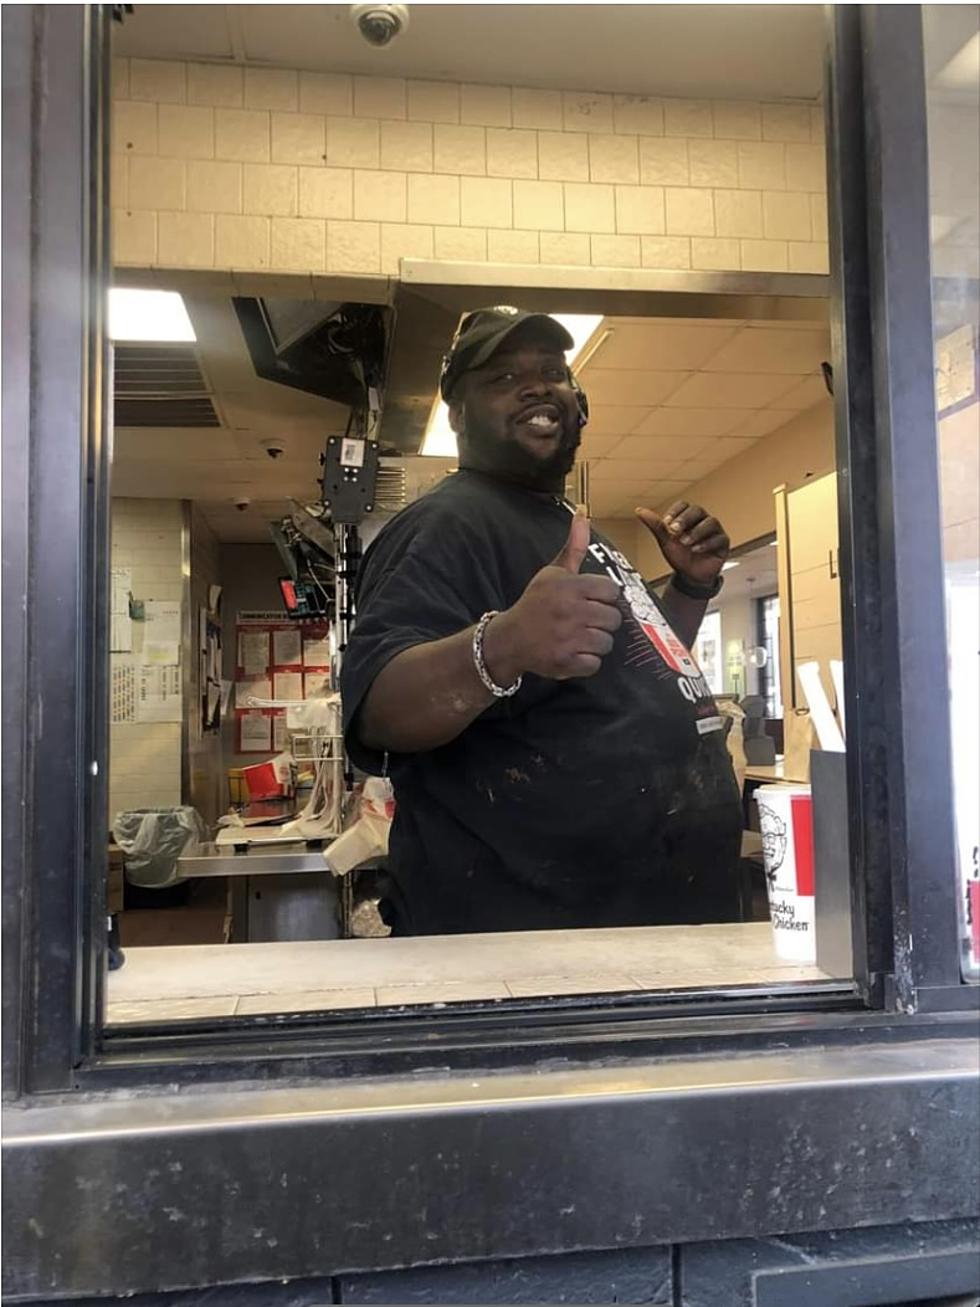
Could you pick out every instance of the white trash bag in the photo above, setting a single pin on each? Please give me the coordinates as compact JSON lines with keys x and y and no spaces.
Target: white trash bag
{"x":152,"y":839}
{"x":368,"y":836}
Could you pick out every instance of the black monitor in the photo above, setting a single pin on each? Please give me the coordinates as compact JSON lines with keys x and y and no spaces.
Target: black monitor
{"x":301,"y":599}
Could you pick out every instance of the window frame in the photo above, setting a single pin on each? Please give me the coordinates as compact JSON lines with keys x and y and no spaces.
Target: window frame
{"x":893,"y":612}
{"x":772,"y":666}
{"x":901,"y":837}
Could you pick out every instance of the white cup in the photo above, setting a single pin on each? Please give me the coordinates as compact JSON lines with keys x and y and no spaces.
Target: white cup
{"x":786,"y":820}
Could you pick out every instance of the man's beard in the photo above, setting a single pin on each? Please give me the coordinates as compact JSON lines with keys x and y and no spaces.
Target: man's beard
{"x":510,"y":460}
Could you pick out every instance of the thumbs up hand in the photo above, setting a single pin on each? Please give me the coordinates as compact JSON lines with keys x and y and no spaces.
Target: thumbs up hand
{"x":563,"y":624}
{"x":693,"y":543}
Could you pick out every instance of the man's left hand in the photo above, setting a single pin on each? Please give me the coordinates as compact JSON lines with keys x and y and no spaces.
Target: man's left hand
{"x":693,"y":543}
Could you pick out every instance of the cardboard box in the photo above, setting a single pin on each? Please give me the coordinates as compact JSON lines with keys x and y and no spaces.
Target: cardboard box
{"x":115,"y":881}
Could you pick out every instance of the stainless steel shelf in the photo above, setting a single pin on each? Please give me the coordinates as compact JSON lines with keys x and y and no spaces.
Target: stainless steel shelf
{"x":280,"y":860}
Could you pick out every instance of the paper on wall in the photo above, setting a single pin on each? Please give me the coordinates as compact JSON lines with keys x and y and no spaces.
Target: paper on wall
{"x":316,"y":685}
{"x":214,"y":697}
{"x":214,"y":595}
{"x":226,"y":689}
{"x":316,"y":652}
{"x":122,"y":584}
{"x":279,"y":736}
{"x":286,"y":648}
{"x":120,"y":633}
{"x":253,"y":652}
{"x":256,"y":687}
{"x":120,"y":625}
{"x":163,"y":622}
{"x":288,"y":685}
{"x":160,"y":653}
{"x":123,"y":698}
{"x":821,"y":713}
{"x":260,"y":617}
{"x":159,"y":696}
{"x":256,"y":733}
{"x":214,"y":658}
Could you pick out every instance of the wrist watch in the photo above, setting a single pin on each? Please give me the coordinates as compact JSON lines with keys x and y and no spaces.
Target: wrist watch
{"x":694,"y":590}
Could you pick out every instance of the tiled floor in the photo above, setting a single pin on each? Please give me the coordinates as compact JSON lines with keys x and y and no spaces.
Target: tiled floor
{"x":170,"y":984}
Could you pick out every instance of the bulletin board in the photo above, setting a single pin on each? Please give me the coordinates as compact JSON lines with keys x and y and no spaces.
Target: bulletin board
{"x":276,"y":658}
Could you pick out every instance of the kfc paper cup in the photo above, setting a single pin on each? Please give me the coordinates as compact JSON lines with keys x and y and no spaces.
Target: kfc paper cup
{"x":786,"y":819}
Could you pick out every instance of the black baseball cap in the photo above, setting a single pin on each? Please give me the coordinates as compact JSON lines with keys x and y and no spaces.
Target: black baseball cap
{"x":481,"y":333}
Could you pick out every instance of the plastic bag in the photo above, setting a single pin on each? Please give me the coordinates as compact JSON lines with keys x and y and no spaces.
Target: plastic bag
{"x":152,"y":839}
{"x":735,"y":740}
{"x":368,"y":837}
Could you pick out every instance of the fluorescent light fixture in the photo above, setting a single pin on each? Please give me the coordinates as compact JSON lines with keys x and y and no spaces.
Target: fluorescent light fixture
{"x":148,"y":315}
{"x":439,"y":440}
{"x":727,"y":567}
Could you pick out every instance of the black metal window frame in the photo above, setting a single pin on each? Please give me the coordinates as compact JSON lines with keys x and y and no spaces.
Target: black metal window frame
{"x":55,"y":502}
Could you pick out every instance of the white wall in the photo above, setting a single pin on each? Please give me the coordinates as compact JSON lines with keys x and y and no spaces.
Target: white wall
{"x":276,"y":170}
{"x":208,"y":792}
{"x":621,"y":531}
{"x":740,"y":493}
{"x":145,"y":758}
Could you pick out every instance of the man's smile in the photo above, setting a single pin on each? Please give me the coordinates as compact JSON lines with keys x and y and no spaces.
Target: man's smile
{"x":540,"y":420}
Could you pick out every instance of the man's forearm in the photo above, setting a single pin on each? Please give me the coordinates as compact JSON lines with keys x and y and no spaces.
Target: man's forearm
{"x":683,"y":613}
{"x":427,"y":696}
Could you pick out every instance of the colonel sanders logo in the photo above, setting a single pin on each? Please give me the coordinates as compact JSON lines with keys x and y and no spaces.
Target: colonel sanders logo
{"x":774,"y":840}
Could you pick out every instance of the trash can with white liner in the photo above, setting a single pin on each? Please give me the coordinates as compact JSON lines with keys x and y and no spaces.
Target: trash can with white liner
{"x":152,"y":839}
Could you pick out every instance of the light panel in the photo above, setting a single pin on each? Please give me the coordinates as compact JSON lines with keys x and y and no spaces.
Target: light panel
{"x":145,"y":315}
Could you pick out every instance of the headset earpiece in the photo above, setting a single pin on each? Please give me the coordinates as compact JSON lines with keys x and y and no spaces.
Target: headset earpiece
{"x":581,"y":399}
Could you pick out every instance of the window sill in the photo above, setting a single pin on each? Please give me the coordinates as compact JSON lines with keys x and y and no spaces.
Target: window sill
{"x":178,"y":983}
{"x":377,"y":1174}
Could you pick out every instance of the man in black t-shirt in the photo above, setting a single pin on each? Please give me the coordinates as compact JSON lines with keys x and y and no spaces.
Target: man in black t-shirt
{"x":557,"y":758}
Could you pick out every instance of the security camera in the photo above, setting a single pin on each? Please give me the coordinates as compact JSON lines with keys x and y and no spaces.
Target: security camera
{"x":274,"y":448}
{"x":379,"y":24}
{"x":241,"y":503}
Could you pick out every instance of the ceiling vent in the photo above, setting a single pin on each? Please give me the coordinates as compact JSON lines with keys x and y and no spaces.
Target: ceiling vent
{"x":161,"y":385}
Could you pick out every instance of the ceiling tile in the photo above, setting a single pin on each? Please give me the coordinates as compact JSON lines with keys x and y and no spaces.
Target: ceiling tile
{"x":598,"y":446}
{"x":760,"y":423}
{"x":663,"y":448}
{"x":631,"y":386}
{"x":689,"y":422}
{"x":696,"y":468}
{"x":633,"y":469}
{"x":619,"y":499}
{"x":654,"y":344}
{"x":772,"y":350}
{"x":729,"y":390}
{"x":612,"y":419}
{"x":806,"y":393}
{"x":173,"y":445}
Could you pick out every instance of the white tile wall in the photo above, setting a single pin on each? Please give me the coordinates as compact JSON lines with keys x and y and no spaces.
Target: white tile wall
{"x":145,"y":758}
{"x":524,"y":174}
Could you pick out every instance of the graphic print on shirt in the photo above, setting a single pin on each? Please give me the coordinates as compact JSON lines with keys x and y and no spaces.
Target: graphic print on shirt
{"x":656,"y":641}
